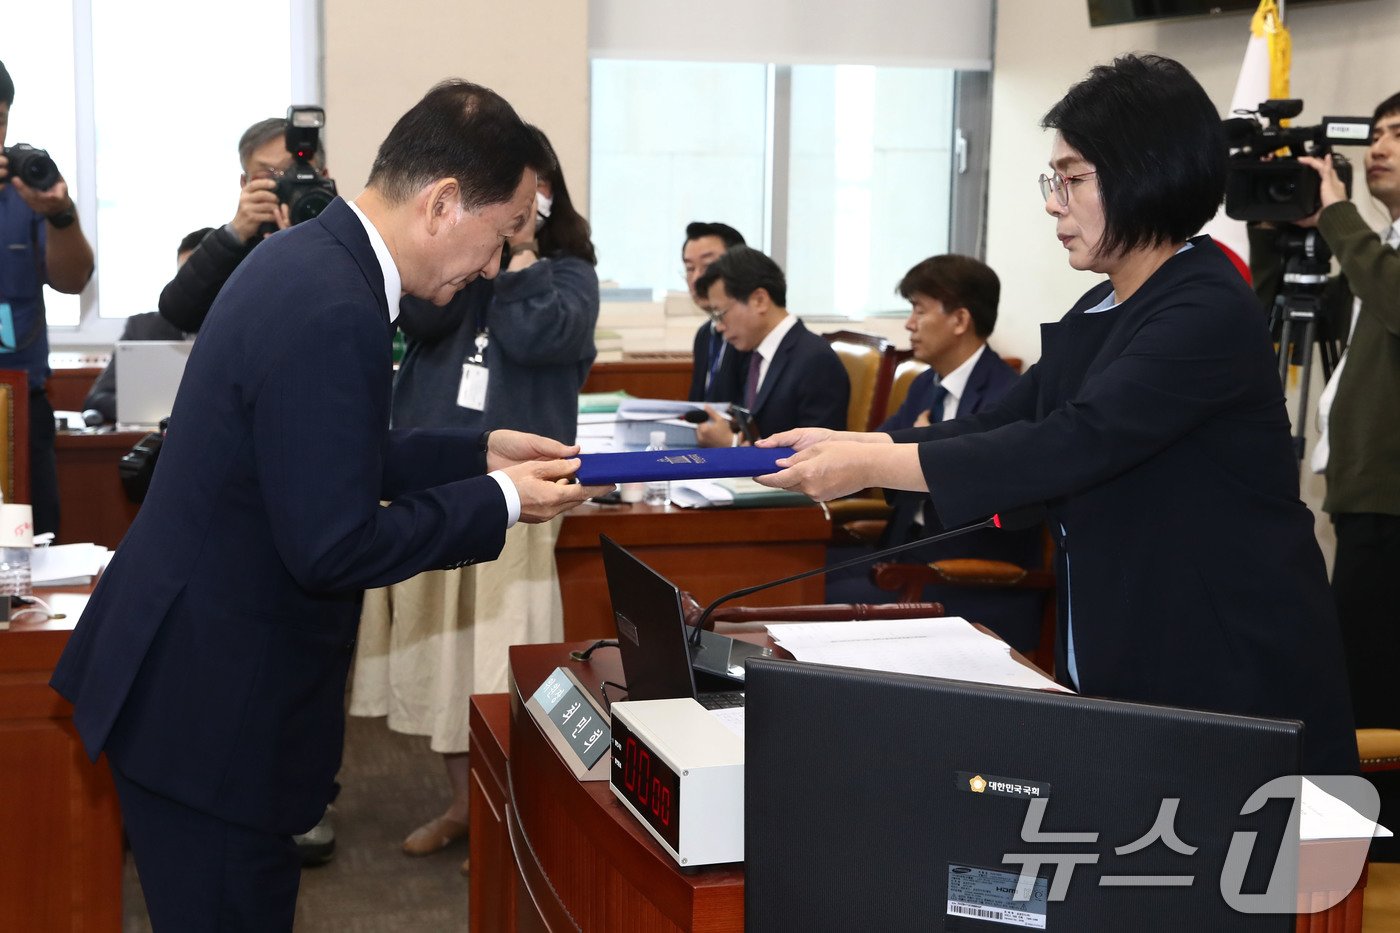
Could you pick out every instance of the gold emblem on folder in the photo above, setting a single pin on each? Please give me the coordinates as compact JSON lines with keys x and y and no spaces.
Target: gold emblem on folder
{"x":977,"y":784}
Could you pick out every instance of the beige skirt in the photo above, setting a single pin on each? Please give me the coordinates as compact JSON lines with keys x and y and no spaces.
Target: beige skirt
{"x":427,"y":644}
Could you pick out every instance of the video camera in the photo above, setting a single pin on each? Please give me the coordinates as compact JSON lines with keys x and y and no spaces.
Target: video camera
{"x":304,"y":190}
{"x":31,"y":166}
{"x":1266,"y":182}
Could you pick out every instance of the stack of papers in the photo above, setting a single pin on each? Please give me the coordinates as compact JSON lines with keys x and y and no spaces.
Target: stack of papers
{"x":738,"y":491}
{"x":946,"y":647}
{"x":67,"y":564}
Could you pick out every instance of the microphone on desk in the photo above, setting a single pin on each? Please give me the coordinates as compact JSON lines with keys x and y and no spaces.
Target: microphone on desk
{"x":694,"y":416}
{"x":717,"y":646}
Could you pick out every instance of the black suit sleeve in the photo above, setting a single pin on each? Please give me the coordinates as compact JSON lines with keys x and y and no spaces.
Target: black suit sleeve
{"x":827,"y":399}
{"x":186,"y":300}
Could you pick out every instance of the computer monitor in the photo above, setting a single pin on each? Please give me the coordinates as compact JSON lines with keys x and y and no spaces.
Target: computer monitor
{"x":886,"y":802}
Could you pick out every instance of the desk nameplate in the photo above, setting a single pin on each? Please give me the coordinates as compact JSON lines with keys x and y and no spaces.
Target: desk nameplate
{"x":579,"y":731}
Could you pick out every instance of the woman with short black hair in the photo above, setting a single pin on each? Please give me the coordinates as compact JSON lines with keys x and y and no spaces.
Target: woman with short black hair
{"x":1153,"y":429}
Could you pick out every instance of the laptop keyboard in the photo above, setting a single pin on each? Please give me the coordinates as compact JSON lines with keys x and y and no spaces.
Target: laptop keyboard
{"x":724,"y":700}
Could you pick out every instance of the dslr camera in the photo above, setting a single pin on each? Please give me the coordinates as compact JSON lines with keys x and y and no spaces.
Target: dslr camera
{"x":1266,"y":182}
{"x":303,"y":189}
{"x":31,"y":166}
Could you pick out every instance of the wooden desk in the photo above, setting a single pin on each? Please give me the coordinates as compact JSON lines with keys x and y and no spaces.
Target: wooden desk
{"x":69,"y":385}
{"x":551,"y":853}
{"x":60,"y":829}
{"x":659,"y":376}
{"x":564,"y":854}
{"x":708,"y":552}
{"x":94,"y":507}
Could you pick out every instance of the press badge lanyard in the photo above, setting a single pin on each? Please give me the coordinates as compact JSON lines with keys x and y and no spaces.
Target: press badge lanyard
{"x":471,"y":393}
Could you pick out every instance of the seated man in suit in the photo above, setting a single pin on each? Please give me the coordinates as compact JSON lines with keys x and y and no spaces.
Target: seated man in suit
{"x":793,"y":376}
{"x":953,"y":309}
{"x":718,"y":371}
{"x":102,"y":397}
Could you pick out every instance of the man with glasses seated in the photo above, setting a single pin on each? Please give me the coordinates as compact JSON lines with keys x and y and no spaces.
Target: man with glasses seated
{"x":718,"y":371}
{"x":793,"y":378}
{"x":262,"y":152}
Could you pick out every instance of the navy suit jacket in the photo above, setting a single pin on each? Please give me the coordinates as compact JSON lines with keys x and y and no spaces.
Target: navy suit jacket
{"x":989,"y":380}
{"x":728,"y":383}
{"x":1156,"y":434}
{"x":210,"y":664}
{"x":806,"y":386}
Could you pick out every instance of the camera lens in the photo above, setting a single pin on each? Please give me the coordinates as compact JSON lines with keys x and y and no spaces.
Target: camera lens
{"x":32,"y":166}
{"x":309,"y":203}
{"x":1281,"y":191}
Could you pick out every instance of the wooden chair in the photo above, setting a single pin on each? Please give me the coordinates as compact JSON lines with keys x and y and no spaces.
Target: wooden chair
{"x":1379,"y":749}
{"x":14,"y":434}
{"x":864,"y":356}
{"x":909,"y":580}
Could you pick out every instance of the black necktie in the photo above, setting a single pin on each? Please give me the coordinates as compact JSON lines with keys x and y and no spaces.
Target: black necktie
{"x":935,"y":403}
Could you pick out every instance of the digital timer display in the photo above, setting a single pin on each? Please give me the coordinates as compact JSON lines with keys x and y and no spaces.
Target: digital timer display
{"x":646,"y":782}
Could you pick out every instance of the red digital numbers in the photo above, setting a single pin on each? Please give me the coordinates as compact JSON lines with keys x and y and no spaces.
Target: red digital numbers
{"x":637,"y":779}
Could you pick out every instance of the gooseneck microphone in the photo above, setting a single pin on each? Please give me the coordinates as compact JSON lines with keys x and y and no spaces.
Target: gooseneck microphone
{"x":1027,"y":517}
{"x":694,"y":416}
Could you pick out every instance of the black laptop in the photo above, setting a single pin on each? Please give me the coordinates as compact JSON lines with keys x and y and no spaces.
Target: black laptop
{"x":659,"y":659}
{"x":877,"y":801}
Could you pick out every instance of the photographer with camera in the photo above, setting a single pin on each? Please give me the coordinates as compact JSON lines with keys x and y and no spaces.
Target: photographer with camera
{"x":43,"y":244}
{"x":267,"y":159}
{"x":1359,"y":448}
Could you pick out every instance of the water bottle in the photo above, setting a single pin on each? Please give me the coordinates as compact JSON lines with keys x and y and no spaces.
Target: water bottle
{"x":15,"y":576}
{"x":659,"y":491}
{"x":17,"y":533}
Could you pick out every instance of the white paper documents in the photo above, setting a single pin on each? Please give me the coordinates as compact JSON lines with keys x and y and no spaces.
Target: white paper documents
{"x":67,"y":564}
{"x":1323,"y":816}
{"x":946,"y":647}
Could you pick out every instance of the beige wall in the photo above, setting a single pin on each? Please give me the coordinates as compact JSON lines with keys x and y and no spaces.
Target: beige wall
{"x":380,"y":59}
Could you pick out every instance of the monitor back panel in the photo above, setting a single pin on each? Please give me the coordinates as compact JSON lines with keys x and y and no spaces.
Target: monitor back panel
{"x":148,"y":376}
{"x":651,"y":630}
{"x":861,"y":810}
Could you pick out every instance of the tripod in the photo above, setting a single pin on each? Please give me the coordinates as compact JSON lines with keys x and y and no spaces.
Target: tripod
{"x":1296,"y":319}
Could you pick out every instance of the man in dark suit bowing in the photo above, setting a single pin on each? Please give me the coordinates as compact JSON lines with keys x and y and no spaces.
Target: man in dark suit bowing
{"x":793,"y":376}
{"x":210,"y":664}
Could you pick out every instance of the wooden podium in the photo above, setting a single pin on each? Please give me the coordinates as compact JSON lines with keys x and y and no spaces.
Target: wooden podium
{"x":60,"y":829}
{"x":550,"y":853}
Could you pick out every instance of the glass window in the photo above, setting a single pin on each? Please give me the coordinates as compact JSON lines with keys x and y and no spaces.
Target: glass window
{"x":44,"y":113}
{"x":167,"y":128}
{"x":869,"y":181}
{"x":867,"y":173}
{"x":672,"y":142}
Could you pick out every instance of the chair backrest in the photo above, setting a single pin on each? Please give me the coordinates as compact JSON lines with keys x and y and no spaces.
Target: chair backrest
{"x":863,"y":355}
{"x":905,"y":373}
{"x":14,"y":435}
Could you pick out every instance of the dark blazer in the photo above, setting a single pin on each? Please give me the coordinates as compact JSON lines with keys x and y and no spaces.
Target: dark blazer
{"x":728,"y":383}
{"x":1157,"y":436}
{"x":102,"y":397}
{"x":210,"y":664}
{"x":806,"y":386}
{"x":986,"y":384}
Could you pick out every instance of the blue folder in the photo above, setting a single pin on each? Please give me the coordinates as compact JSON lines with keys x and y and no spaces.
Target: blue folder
{"x":645,"y":466}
